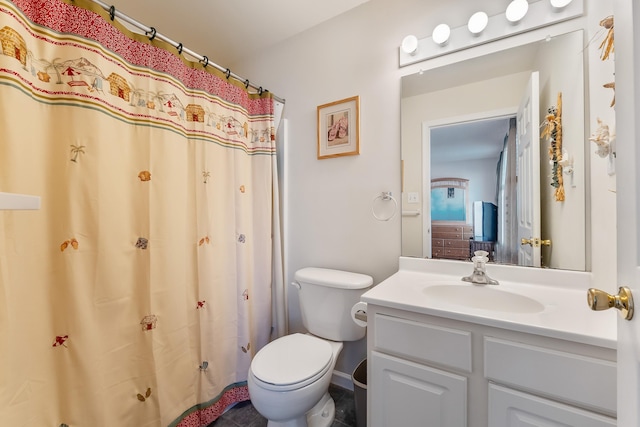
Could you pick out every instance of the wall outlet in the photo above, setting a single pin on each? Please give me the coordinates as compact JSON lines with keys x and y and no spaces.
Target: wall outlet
{"x":412,"y":198}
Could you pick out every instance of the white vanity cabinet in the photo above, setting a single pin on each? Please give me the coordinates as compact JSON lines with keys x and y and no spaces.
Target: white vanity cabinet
{"x":417,"y":384}
{"x":434,"y":371}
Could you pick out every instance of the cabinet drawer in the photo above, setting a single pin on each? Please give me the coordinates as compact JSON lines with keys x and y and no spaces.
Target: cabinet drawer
{"x":453,"y":228}
{"x":422,"y":342}
{"x":447,"y":228}
{"x":459,"y":244}
{"x":572,"y":378}
{"x":458,"y":253}
{"x":443,"y":235}
{"x":437,"y":252}
{"x":510,"y":408}
{"x":437,"y":243}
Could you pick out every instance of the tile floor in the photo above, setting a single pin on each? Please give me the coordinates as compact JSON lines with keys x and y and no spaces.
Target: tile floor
{"x":245,"y":415}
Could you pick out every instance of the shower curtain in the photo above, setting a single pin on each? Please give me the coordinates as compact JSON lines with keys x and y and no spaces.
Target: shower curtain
{"x":138,"y":293}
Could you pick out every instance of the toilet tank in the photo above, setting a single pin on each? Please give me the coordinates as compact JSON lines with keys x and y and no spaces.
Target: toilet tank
{"x":326,"y":297}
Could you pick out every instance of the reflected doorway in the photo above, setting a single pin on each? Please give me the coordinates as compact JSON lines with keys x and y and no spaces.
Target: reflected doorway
{"x":473,"y":159}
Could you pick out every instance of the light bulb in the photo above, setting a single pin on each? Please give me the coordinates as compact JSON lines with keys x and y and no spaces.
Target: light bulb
{"x":516,"y":10}
{"x":410,"y":44}
{"x":478,"y":22}
{"x":559,"y":4}
{"x":441,"y":34}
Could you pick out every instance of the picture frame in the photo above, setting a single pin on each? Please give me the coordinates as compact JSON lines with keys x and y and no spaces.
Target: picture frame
{"x":339,"y":128}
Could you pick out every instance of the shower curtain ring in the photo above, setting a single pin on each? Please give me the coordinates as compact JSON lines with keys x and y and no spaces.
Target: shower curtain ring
{"x":112,"y":12}
{"x":227,"y":73}
{"x":260,"y":90}
{"x":246,"y":84}
{"x":153,"y":33}
{"x":205,"y":61}
{"x":179,"y":48}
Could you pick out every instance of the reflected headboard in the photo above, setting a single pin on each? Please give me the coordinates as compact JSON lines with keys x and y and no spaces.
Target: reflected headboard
{"x":450,"y":200}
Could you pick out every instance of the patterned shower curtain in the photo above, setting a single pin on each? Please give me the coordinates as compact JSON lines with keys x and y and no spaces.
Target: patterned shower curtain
{"x":138,"y":293}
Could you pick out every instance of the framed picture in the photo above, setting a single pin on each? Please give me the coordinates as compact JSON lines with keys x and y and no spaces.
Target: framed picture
{"x":339,"y":128}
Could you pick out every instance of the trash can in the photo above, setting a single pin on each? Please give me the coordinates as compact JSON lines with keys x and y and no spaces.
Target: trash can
{"x":359,"y":379}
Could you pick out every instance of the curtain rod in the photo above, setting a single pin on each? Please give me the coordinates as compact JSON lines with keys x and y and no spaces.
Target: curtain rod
{"x":152,"y":33}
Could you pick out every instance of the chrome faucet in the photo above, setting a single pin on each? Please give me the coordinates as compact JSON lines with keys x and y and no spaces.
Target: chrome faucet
{"x":479,"y":275}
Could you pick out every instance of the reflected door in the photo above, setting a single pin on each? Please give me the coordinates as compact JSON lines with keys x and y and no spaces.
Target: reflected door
{"x":528,"y":169}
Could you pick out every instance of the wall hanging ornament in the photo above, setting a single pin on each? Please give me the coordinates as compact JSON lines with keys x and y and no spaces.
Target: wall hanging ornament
{"x":601,"y":137}
{"x":611,"y":85}
{"x":605,"y":144}
{"x":607,"y":45}
{"x":553,"y":132}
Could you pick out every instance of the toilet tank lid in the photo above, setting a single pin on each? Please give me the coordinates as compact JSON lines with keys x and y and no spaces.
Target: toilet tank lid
{"x":333,"y":278}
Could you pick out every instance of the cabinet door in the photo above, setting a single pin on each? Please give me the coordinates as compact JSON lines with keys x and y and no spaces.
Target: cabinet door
{"x":510,"y":408}
{"x":405,"y":393}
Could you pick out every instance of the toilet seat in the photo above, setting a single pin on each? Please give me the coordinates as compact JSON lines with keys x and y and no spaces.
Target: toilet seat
{"x":292,"y":362}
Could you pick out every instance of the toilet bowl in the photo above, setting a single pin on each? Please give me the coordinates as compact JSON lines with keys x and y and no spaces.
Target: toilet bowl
{"x":289,"y":381}
{"x":289,"y":378}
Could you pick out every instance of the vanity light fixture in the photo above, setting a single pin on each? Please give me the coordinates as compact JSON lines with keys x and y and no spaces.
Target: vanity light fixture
{"x":410,"y":44}
{"x":520,"y":16}
{"x":477,"y":23}
{"x":441,"y":34}
{"x":516,"y":10}
{"x":557,"y":5}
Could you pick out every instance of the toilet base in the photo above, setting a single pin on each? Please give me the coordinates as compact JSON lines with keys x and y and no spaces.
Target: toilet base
{"x":321,"y":415}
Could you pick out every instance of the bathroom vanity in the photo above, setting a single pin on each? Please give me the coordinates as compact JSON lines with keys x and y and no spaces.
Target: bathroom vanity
{"x":527,"y":352}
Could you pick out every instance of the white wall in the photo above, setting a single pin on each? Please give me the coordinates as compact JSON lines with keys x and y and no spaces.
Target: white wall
{"x":602,"y":197}
{"x":329,"y":220}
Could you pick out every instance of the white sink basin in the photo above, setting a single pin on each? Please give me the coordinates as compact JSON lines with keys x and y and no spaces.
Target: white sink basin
{"x":484,"y":297}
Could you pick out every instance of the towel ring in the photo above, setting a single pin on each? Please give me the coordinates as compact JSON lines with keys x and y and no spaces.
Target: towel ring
{"x":384,"y":196}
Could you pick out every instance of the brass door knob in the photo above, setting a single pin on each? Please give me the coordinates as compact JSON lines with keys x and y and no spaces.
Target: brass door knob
{"x":535,"y":242}
{"x":600,"y":300}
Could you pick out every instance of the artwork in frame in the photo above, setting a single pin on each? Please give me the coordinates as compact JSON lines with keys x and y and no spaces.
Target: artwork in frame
{"x":339,"y":128}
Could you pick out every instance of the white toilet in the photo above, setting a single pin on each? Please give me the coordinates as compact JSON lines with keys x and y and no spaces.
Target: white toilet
{"x":289,"y":378}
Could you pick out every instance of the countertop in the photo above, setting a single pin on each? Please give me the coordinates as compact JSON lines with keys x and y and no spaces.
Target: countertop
{"x":565,"y":316}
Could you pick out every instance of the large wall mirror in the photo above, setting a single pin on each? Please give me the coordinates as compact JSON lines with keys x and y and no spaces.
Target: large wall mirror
{"x":479,"y":121}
